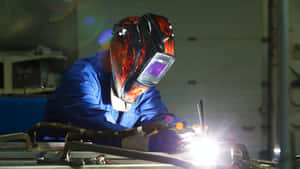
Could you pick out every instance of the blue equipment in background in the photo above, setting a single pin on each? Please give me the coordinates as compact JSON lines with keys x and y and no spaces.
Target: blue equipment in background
{"x":20,"y":114}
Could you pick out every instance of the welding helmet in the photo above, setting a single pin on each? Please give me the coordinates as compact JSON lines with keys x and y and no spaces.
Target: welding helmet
{"x":141,"y":52}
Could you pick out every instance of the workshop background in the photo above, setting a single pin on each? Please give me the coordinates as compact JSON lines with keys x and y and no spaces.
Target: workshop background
{"x":222,"y":58}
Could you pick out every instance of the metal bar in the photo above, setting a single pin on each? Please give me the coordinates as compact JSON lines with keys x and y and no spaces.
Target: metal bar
{"x":17,"y":136}
{"x":284,"y":138}
{"x":201,"y":115}
{"x":270,"y":78}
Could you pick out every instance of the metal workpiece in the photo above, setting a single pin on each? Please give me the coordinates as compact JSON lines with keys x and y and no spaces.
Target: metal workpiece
{"x":87,"y":155}
{"x":78,"y":146}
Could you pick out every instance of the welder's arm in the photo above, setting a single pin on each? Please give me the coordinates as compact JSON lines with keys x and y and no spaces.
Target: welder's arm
{"x":82,"y":105}
{"x":153,"y":109}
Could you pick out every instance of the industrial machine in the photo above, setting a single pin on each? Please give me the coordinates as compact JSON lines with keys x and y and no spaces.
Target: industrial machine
{"x":30,"y":72}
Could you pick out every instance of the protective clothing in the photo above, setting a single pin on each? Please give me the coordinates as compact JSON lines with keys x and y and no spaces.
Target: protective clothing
{"x":83,"y":100}
{"x":142,"y":51}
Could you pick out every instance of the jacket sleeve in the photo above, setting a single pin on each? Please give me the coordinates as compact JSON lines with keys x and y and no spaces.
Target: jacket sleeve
{"x":81,"y":101}
{"x":153,"y":109}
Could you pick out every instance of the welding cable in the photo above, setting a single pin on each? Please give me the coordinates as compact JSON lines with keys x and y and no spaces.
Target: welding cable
{"x":92,"y":135}
{"x":61,"y":130}
{"x":167,"y":159}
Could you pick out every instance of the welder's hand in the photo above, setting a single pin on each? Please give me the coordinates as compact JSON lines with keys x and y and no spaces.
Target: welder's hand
{"x":165,"y":140}
{"x":141,"y":139}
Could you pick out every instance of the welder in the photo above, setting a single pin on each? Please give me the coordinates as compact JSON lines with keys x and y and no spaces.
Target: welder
{"x":115,"y":89}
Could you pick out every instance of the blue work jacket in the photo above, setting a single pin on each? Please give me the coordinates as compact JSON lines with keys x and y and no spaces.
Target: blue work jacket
{"x":83,"y":100}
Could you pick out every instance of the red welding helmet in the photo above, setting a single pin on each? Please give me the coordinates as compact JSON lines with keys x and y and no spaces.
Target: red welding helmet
{"x":142,"y":51}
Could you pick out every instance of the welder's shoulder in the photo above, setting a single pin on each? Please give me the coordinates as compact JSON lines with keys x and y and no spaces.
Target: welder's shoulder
{"x":81,"y":68}
{"x":151,"y":93}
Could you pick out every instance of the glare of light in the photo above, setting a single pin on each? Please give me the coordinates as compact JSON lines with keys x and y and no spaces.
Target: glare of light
{"x":123,"y":32}
{"x":187,"y":137}
{"x":197,"y":129}
{"x":203,"y":151}
{"x":277,"y":150}
{"x":231,"y":152}
{"x":105,"y":36}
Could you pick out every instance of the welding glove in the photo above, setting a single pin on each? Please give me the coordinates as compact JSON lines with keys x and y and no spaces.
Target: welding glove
{"x":165,"y":140}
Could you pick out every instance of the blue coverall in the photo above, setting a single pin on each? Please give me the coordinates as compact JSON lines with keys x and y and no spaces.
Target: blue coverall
{"x":83,"y":100}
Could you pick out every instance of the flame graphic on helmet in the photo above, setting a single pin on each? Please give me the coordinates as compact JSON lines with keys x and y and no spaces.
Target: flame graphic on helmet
{"x":124,"y":53}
